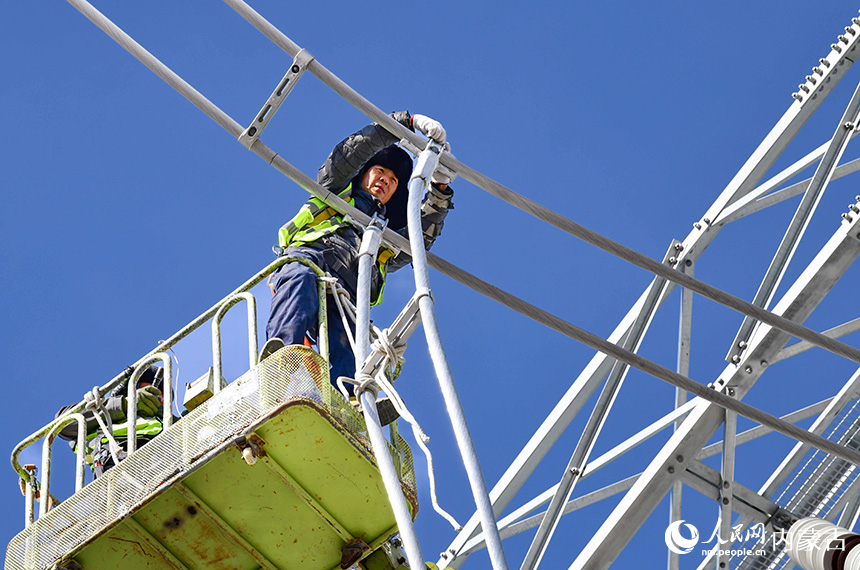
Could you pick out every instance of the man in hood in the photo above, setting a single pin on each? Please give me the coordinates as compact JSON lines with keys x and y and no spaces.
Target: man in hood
{"x":370,"y":172}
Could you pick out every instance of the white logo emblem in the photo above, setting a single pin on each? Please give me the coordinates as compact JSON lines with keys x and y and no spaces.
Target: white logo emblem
{"x":677,"y":543}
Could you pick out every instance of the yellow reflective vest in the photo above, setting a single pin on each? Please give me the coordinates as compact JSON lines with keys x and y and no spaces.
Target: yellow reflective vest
{"x":316,"y":220}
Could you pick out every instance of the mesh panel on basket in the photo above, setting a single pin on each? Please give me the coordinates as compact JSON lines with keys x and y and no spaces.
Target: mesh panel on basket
{"x":293,"y":373}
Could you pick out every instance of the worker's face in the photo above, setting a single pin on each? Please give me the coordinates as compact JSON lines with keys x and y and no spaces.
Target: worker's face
{"x":380,"y":182}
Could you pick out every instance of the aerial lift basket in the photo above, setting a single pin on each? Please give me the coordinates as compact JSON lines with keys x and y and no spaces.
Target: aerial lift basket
{"x":275,"y":471}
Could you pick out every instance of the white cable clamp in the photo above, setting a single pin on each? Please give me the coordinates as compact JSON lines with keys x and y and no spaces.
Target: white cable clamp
{"x":426,"y":164}
{"x":407,"y":145}
{"x":423,"y":292}
{"x":372,"y":238}
{"x":440,"y":168}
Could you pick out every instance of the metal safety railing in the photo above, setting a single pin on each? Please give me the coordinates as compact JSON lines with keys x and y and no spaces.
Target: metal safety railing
{"x":216,"y":334}
{"x":33,"y":488}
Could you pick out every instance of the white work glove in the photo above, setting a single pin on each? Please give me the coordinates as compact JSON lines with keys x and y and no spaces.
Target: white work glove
{"x":431,"y":128}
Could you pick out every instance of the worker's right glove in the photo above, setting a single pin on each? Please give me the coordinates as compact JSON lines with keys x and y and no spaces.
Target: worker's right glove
{"x":431,"y":128}
{"x":148,"y":401}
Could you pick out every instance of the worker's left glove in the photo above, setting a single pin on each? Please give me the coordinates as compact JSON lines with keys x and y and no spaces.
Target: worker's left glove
{"x":431,"y":128}
{"x":148,"y":401}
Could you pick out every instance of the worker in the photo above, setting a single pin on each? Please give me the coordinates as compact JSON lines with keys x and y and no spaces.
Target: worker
{"x":370,"y":172}
{"x":149,"y":419}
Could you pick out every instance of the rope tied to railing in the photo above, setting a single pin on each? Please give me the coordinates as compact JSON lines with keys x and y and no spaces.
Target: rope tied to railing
{"x":93,"y":402}
{"x":364,"y":383}
{"x":394,"y":353}
{"x":337,"y":291}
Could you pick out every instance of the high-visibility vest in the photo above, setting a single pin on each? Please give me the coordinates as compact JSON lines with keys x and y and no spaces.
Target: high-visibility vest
{"x":315,"y":220}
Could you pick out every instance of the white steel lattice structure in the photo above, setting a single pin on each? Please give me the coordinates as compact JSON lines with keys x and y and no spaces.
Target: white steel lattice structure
{"x":678,"y":467}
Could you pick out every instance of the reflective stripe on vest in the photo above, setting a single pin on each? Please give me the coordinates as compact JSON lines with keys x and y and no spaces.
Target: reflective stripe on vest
{"x":145,"y":427}
{"x":316,"y":220}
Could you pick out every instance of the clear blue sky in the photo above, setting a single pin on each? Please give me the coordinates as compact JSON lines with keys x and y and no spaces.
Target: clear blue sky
{"x":127,"y":212}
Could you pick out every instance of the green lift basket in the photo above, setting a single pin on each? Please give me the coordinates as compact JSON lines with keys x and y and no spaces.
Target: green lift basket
{"x":275,"y":471}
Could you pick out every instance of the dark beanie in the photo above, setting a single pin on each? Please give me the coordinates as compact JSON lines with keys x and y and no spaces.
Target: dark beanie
{"x":399,"y":161}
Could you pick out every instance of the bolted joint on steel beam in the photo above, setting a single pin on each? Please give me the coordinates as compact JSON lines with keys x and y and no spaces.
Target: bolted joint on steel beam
{"x":300,"y":63}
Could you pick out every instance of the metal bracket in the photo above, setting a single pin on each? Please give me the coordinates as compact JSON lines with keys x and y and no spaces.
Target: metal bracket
{"x":351,"y":552}
{"x":399,"y":332}
{"x":415,"y":150}
{"x":251,"y":446}
{"x":250,"y":135}
{"x":746,"y":502}
{"x":823,"y":175}
{"x":393,"y":549}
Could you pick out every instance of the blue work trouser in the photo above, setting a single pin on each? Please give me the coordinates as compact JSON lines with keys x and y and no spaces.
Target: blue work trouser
{"x":295,"y":312}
